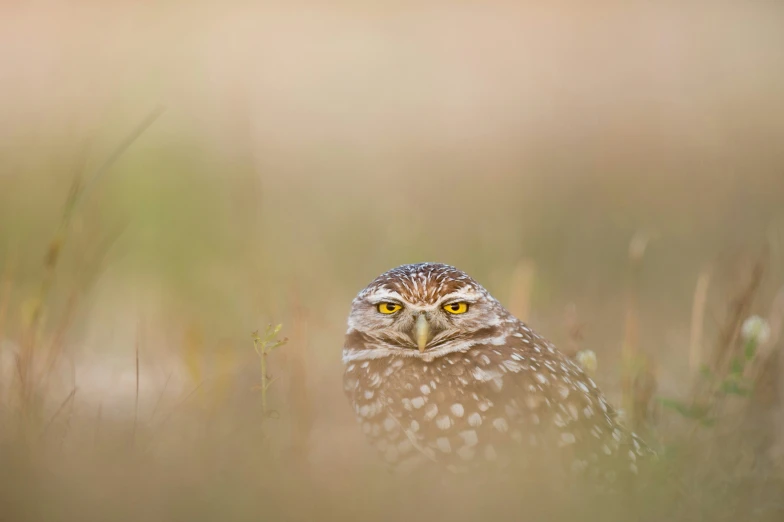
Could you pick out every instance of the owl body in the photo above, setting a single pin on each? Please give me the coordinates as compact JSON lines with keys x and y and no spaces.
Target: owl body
{"x":438,"y":372}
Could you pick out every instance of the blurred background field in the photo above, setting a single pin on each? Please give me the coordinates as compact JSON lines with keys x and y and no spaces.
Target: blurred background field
{"x":598,"y":168}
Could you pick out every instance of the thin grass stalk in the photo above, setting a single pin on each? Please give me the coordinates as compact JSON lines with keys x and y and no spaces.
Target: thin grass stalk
{"x":54,"y":416}
{"x":768,"y":347}
{"x":263,"y":346}
{"x":740,"y":308}
{"x":776,"y":323}
{"x":160,"y":396}
{"x":56,"y":344}
{"x":53,"y":256}
{"x":5,"y":297}
{"x":98,"y":420}
{"x":264,"y":383}
{"x":118,"y":151}
{"x":698,"y":321}
{"x":707,"y":396}
{"x":5,"y":293}
{"x":179,"y":404}
{"x":521,"y":289}
{"x":629,"y":349}
{"x":136,"y":399}
{"x":764,"y":409}
{"x":51,"y":261}
{"x":68,"y":419}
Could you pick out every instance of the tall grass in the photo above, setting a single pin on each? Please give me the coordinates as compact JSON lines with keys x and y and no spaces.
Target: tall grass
{"x":245,"y":458}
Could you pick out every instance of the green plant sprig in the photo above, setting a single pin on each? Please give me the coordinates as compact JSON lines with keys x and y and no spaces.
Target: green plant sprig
{"x":733,"y":383}
{"x":264,"y":345}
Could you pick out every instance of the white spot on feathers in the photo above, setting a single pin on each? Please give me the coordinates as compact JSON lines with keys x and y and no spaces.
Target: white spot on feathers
{"x":567,"y":438}
{"x":500,"y":424}
{"x":444,"y":422}
{"x":389,"y":424}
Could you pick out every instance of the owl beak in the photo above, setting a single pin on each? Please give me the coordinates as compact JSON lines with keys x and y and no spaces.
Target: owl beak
{"x":422,"y":332}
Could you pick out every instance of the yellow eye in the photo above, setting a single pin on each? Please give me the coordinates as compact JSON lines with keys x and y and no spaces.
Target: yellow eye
{"x":456,"y":308}
{"x":388,"y":308}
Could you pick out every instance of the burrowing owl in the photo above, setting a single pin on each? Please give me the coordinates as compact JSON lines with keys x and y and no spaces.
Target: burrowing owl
{"x":438,"y":370}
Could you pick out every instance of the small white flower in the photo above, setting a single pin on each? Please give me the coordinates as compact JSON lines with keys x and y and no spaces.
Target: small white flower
{"x":755,"y":329}
{"x":587,"y":361}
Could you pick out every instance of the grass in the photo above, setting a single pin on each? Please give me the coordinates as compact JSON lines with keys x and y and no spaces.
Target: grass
{"x":129,"y":389}
{"x":213,"y":454}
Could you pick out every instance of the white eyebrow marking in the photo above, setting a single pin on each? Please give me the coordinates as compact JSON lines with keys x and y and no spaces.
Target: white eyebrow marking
{"x":468,"y":297}
{"x":383,"y":295}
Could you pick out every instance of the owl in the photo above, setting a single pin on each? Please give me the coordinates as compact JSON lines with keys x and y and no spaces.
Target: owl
{"x":439,"y":373}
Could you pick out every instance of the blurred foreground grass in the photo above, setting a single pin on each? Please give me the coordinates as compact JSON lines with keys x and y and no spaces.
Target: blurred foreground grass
{"x":622,"y":199}
{"x":130,"y":391}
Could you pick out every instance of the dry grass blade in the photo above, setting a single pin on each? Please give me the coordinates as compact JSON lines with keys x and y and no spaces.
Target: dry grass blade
{"x":698,"y":320}
{"x":54,"y":416}
{"x":98,"y":419}
{"x":638,"y":382}
{"x":522,"y":287}
{"x":68,"y":420}
{"x":179,"y":404}
{"x":27,"y":356}
{"x":739,"y":310}
{"x":96,"y":260}
{"x":5,"y":297}
{"x":120,"y":149}
{"x":56,"y":346}
{"x":5,"y":293}
{"x":136,"y":398}
{"x":160,"y":396}
{"x":708,"y":401}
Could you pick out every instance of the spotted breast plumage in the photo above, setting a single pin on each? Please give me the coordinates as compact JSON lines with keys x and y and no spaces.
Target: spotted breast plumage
{"x":438,"y":371}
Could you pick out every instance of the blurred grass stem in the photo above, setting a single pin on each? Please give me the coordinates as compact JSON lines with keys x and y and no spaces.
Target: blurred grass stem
{"x":698,"y":320}
{"x":263,"y":347}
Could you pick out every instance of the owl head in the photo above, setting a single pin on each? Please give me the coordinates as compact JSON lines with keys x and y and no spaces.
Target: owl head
{"x":423,"y":310}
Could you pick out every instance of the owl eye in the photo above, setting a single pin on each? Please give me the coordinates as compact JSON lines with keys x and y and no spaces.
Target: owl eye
{"x":456,"y":308}
{"x":388,"y":308}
